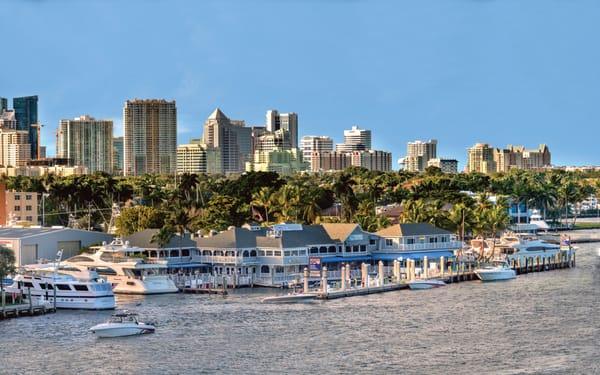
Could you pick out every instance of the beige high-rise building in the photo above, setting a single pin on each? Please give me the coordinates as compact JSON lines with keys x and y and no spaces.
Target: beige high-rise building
{"x":232,"y":138}
{"x":324,"y":161}
{"x":355,"y":139}
{"x":15,"y":149}
{"x":418,"y":154}
{"x":373,"y":160}
{"x":196,"y":157}
{"x":87,"y":142}
{"x":150,"y":137}
{"x":480,"y":158}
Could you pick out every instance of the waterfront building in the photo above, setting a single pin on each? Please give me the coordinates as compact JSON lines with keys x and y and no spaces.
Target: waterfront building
{"x":232,"y":138}
{"x":117,"y":155}
{"x":373,"y":160}
{"x":26,"y":112}
{"x":196,"y":157}
{"x":287,"y":122}
{"x":87,"y":142}
{"x":33,"y":244}
{"x":480,"y":159}
{"x":15,"y":150}
{"x":282,"y":161}
{"x":150,"y":137}
{"x":18,"y":207}
{"x":310,"y":144}
{"x":418,"y":154}
{"x":445,"y":165}
{"x":355,"y":139}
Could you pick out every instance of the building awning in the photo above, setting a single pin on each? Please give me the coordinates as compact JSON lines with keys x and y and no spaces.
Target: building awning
{"x":415,"y":255}
{"x":360,"y":258}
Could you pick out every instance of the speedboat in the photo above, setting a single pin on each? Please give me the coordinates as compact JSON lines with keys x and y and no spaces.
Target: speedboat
{"x":496,"y":271}
{"x":122,"y":324}
{"x":127,"y":269}
{"x":291,"y":298}
{"x":425,"y":284}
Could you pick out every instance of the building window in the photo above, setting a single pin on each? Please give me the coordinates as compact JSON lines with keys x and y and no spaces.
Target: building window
{"x":433,"y":239}
{"x":27,"y":208}
{"x":389,"y":242}
{"x":410,"y":241}
{"x":17,"y":197}
{"x":372,"y":241}
{"x":28,"y":197}
{"x":355,"y":249}
{"x":17,"y":208}
{"x":363,"y":248}
{"x":29,"y":218}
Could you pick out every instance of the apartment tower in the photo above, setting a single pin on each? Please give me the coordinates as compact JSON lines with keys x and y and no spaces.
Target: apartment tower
{"x":87,"y":142}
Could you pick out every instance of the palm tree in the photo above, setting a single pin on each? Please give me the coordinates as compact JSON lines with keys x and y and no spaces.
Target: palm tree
{"x":414,"y":211}
{"x":262,"y":199}
{"x":163,"y":236}
{"x":342,"y":188}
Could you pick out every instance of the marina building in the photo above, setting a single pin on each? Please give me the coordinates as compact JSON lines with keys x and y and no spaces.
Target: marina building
{"x":150,"y":137}
{"x":87,"y":142}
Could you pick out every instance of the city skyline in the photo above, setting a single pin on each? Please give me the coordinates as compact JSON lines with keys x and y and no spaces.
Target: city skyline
{"x":525,"y":84}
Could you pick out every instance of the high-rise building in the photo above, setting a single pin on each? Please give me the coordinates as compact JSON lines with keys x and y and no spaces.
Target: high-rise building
{"x":15,"y":149}
{"x":86,"y":141}
{"x":26,"y":113}
{"x":8,"y":121}
{"x":196,"y":157}
{"x":325,"y":161}
{"x":445,"y":165}
{"x":117,"y":154}
{"x":150,"y":137}
{"x":231,"y":138}
{"x":355,"y":139}
{"x":282,"y":161}
{"x":42,"y":154}
{"x":3,"y":105}
{"x":418,"y":154}
{"x":278,"y":139}
{"x":373,"y":160}
{"x":480,"y":158}
{"x":311,"y":143}
{"x":284,"y":121}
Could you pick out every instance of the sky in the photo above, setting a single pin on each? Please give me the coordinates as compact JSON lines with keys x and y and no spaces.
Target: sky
{"x":460,"y":71}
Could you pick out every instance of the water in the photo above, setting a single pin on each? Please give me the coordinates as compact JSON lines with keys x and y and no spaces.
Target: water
{"x":544,"y":323}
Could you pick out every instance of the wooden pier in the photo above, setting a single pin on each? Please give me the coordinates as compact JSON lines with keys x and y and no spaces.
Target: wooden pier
{"x":191,"y":290}
{"x":25,"y":309}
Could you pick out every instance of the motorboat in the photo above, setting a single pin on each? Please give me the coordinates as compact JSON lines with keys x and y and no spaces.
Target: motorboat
{"x":515,"y":247}
{"x":495,"y":272}
{"x":127,"y":269}
{"x":122,"y":324}
{"x":425,"y":284}
{"x":291,"y":298}
{"x":73,"y":287}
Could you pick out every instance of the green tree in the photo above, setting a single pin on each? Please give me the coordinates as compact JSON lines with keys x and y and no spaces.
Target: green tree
{"x":138,"y":218}
{"x":7,"y":264}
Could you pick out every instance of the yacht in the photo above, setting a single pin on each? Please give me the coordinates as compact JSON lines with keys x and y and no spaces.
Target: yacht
{"x":495,"y":272}
{"x":127,"y":269}
{"x":75,"y":287}
{"x":122,"y":324}
{"x":512,"y":247}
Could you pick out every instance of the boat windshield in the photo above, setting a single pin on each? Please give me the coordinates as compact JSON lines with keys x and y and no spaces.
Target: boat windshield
{"x":123,"y":319}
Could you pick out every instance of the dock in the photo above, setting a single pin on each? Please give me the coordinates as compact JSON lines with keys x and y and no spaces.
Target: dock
{"x":24,"y":309}
{"x":191,"y":290}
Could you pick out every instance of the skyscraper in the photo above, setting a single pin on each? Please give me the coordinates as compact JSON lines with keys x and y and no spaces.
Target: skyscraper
{"x":26,"y":113}
{"x":150,"y":137}
{"x":284,"y":121}
{"x":117,"y":150}
{"x":87,"y":142}
{"x":355,"y":139}
{"x":418,"y":154}
{"x":3,"y":105}
{"x":311,"y":143}
{"x":15,"y":150}
{"x":231,"y":138}
{"x":480,"y":158}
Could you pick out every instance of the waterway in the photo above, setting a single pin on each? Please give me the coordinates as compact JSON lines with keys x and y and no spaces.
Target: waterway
{"x":546,"y":323}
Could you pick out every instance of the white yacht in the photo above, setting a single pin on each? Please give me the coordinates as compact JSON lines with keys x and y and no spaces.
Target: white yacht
{"x":127,"y":269}
{"x":75,"y":287}
{"x":495,"y":272}
{"x":514,"y":247}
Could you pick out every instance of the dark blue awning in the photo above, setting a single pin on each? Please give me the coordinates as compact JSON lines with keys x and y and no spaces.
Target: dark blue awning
{"x":360,"y":258}
{"x":415,"y":255}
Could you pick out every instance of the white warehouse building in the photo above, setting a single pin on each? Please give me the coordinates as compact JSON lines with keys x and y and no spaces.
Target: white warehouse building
{"x":33,"y":244}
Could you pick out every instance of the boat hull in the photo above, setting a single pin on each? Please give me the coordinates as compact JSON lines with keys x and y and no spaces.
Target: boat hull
{"x":496,"y":275}
{"x":105,"y":331}
{"x":422,"y":285}
{"x":298,"y":298}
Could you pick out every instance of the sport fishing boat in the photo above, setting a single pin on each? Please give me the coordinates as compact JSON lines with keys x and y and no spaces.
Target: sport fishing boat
{"x":74,"y":287}
{"x":127,"y":269}
{"x":122,"y":324}
{"x":425,"y":284}
{"x":495,"y":272}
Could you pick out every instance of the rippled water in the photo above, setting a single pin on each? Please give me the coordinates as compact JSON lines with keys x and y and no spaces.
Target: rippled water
{"x":539,"y":323}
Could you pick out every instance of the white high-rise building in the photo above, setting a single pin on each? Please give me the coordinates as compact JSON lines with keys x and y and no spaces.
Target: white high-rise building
{"x":150,"y":137}
{"x":87,"y":142}
{"x":418,"y":154}
{"x":314,"y":143}
{"x":355,"y":139}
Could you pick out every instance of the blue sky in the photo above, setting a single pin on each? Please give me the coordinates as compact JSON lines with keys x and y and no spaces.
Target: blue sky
{"x":462,"y":71}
